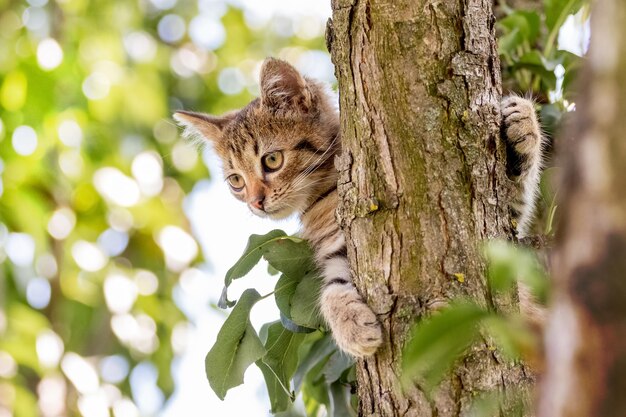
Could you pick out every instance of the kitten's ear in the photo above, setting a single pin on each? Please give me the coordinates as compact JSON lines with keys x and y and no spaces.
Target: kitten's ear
{"x":283,"y":88}
{"x":203,"y":125}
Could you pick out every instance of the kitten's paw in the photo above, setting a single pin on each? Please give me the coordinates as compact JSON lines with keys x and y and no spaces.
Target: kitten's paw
{"x":357,"y":330}
{"x":520,"y":125}
{"x":355,"y":327}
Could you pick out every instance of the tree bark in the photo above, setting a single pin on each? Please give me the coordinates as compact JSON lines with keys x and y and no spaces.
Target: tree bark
{"x":585,"y":346}
{"x":422,"y":181}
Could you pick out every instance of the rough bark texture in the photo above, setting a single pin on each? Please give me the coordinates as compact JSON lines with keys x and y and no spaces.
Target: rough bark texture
{"x":422,"y":180}
{"x":586,"y":343}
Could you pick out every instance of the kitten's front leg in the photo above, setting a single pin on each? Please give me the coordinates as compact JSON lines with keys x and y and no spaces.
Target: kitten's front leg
{"x":355,"y":327}
{"x":524,"y":140}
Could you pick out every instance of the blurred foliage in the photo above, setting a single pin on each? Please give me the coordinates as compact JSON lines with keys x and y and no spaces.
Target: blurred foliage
{"x":528,"y":46}
{"x":93,"y":236}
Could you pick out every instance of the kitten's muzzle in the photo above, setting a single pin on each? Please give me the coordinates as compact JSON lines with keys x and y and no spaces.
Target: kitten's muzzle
{"x":258,"y":202}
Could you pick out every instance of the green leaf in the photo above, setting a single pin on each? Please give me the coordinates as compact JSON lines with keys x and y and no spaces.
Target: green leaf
{"x":512,"y":336}
{"x":527,"y":23}
{"x":283,"y":292}
{"x":320,"y":351}
{"x":251,"y":255}
{"x":550,"y":203}
{"x":509,"y":263}
{"x":549,"y":194}
{"x":438,"y":341}
{"x":508,"y":42}
{"x":340,"y":401}
{"x":550,"y":220}
{"x":314,"y":388}
{"x":280,"y":399}
{"x":538,"y":64}
{"x":281,"y":359}
{"x":287,"y":254}
{"x":293,"y":327}
{"x":556,"y":11}
{"x":271,"y":270}
{"x":551,"y":116}
{"x":534,"y":57}
{"x":297,"y":298}
{"x":336,"y":365}
{"x":224,"y":302}
{"x":237,"y":346}
{"x":572,"y":64}
{"x":304,"y":302}
{"x":315,"y":398}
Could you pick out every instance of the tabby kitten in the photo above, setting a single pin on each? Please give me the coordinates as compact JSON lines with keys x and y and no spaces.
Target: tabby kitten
{"x":278,"y":156}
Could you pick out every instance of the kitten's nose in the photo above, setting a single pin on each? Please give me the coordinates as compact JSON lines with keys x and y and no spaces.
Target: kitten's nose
{"x":258,"y":202}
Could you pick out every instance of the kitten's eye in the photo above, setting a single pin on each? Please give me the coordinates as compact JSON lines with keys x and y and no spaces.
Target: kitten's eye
{"x":272,"y":161}
{"x":236,"y":182}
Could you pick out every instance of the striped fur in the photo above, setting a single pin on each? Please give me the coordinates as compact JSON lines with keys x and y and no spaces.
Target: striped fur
{"x":296,"y":117}
{"x":522,"y":133}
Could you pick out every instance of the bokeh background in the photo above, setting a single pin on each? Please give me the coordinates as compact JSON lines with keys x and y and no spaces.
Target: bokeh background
{"x":114,"y":233}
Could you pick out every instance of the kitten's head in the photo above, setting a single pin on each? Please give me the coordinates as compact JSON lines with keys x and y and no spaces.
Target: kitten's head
{"x":278,"y":151}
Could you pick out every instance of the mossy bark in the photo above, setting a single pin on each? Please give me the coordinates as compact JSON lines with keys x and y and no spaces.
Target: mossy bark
{"x":585,"y":346}
{"x":422,"y":179}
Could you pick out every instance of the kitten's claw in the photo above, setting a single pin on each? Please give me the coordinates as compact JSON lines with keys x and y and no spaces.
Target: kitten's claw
{"x":361,"y":333}
{"x":520,"y":124}
{"x":355,"y":327}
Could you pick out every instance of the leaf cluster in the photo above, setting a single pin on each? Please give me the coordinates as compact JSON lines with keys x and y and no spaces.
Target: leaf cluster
{"x":528,"y":46}
{"x":295,"y":354}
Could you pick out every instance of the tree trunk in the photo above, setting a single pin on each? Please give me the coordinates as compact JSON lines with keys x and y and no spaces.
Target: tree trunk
{"x":422,"y":181}
{"x":586,"y":343}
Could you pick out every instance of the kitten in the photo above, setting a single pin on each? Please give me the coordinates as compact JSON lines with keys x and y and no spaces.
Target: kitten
{"x":278,"y":154}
